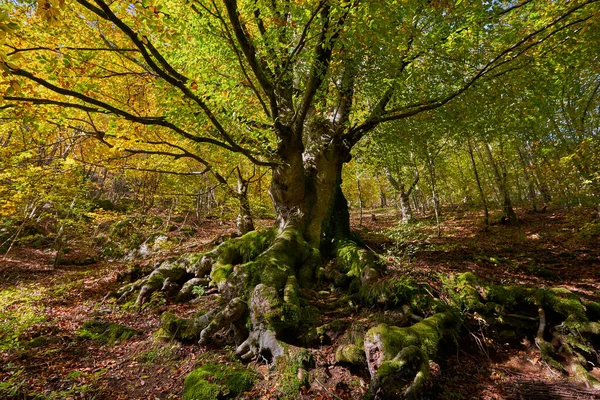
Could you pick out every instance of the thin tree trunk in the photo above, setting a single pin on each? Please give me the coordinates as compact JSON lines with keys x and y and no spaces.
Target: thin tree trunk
{"x":244,"y":222}
{"x":486,"y":218}
{"x":403,"y":194}
{"x":382,"y":196}
{"x":360,"y":201}
{"x":528,"y":180}
{"x":434,"y":193}
{"x":537,"y":177}
{"x":509,"y":216}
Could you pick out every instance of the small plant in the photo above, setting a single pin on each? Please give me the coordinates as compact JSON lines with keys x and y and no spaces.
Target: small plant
{"x":199,"y":291}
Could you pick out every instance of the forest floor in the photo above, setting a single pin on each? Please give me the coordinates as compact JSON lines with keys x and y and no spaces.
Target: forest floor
{"x":43,"y":353}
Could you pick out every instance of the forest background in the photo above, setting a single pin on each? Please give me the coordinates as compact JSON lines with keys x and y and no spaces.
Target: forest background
{"x":128,"y":128}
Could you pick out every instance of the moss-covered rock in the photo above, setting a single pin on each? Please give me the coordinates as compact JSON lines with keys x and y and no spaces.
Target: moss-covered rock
{"x":106,"y":332}
{"x":213,"y":381}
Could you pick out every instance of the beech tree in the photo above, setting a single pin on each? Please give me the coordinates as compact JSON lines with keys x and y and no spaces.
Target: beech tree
{"x":292,"y":86}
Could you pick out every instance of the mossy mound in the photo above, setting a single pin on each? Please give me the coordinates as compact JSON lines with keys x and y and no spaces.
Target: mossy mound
{"x":173,"y":327}
{"x":217,"y":381}
{"x":106,"y":332}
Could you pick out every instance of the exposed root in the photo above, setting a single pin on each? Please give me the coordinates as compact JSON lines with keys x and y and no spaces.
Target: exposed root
{"x":264,"y":267}
{"x":398,"y":358}
{"x":168,"y":276}
{"x":542,"y":313}
{"x":356,"y":261}
{"x":259,"y":276}
{"x":225,"y":317}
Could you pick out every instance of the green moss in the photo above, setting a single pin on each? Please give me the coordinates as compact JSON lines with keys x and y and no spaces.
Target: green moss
{"x":352,"y":259}
{"x":581,"y":375}
{"x":220,"y":273}
{"x":199,"y":389}
{"x":106,"y":332}
{"x":542,"y":272}
{"x":504,"y":297}
{"x":465,"y":291}
{"x":278,"y":314}
{"x":290,"y":293}
{"x":173,"y":327}
{"x":592,"y":310}
{"x":160,"y":353}
{"x":394,"y":292}
{"x":405,"y":375}
{"x":217,"y":381}
{"x":245,"y":248}
{"x":351,"y":354}
{"x":425,"y":334}
{"x":265,"y":259}
{"x":291,"y":381}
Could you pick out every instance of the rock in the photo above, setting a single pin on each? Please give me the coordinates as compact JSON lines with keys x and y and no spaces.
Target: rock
{"x":161,"y":242}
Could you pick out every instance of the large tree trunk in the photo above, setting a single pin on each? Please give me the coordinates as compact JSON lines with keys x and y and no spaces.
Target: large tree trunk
{"x":306,"y":188}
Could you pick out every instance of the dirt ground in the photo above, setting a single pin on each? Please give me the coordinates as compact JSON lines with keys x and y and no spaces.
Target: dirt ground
{"x":546,"y":249}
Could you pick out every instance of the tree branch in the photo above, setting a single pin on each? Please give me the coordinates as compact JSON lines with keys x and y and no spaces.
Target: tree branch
{"x":507,"y":55}
{"x":260,"y":69}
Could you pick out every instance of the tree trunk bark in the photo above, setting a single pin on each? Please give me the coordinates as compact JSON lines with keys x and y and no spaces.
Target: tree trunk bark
{"x":360,"y":198}
{"x":403,"y":194}
{"x":306,"y":188}
{"x":407,"y":214}
{"x":382,"y":196}
{"x":434,"y":191}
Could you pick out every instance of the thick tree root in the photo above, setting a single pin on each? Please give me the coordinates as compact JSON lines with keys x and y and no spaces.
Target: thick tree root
{"x":564,"y":326}
{"x":398,"y":358}
{"x":259,"y":276}
{"x":168,"y":277}
{"x":263,"y":267}
{"x":354,"y":261}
